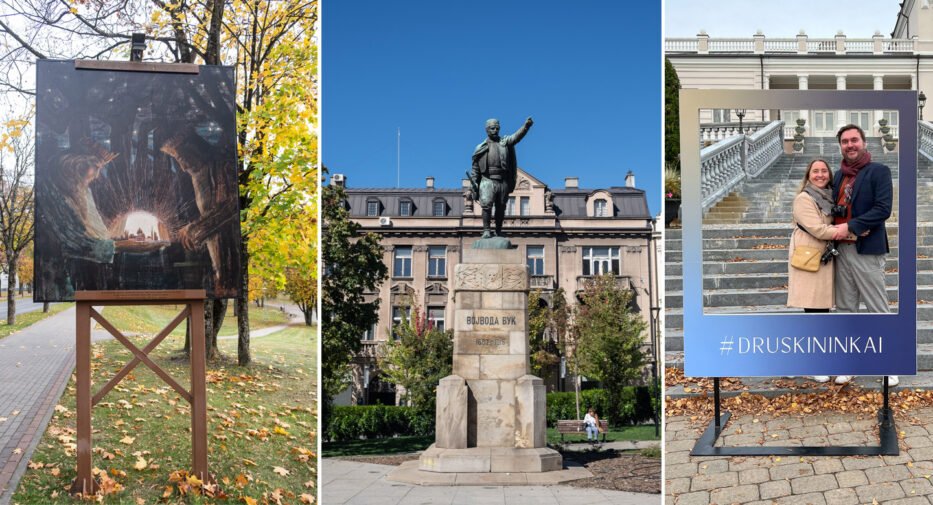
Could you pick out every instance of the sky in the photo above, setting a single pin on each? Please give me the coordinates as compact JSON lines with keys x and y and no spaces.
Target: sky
{"x":818,"y":18}
{"x":588,"y":73}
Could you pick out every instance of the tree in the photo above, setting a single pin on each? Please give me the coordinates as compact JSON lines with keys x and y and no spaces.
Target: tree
{"x":302,"y":289}
{"x":547,"y":328}
{"x":271,"y":44}
{"x":671,"y":116}
{"x":610,"y":335}
{"x":352,"y":265}
{"x":417,"y":356}
{"x":25,"y":268}
{"x":16,"y":201}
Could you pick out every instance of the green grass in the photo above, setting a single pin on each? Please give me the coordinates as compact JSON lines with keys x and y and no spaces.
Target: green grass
{"x":151,"y":319}
{"x":376,"y":446}
{"x":616,"y":434}
{"x":246,"y":405}
{"x":30,"y":318}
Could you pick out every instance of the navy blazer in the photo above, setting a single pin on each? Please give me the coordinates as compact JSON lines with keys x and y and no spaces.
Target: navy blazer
{"x":872,"y":198}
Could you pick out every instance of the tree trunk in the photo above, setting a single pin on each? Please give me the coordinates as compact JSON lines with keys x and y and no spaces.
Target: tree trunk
{"x":309,"y":315}
{"x":187,"y":348}
{"x":21,"y":285}
{"x":45,"y":306}
{"x":11,"y":293}
{"x":218,"y":310}
{"x":209,"y":343}
{"x":242,"y":308}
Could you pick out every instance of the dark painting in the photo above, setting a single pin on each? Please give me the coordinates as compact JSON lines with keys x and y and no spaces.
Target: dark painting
{"x":136,"y":183}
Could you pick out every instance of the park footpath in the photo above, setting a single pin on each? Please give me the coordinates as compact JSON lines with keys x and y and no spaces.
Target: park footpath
{"x":35,"y":365}
{"x":352,"y":483}
{"x":898,"y":480}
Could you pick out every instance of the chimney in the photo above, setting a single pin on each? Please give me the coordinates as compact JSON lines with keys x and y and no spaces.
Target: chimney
{"x":339,"y":180}
{"x":571,"y":182}
{"x":430,"y":182}
{"x":629,"y":180}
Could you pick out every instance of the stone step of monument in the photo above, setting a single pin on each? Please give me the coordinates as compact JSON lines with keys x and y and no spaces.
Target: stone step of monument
{"x":676,"y":245}
{"x":713,"y":255}
{"x":745,"y":230}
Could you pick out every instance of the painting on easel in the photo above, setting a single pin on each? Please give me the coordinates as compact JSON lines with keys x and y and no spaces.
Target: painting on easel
{"x":136,"y":181}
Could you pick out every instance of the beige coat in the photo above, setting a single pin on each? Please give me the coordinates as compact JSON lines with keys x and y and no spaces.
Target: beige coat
{"x":812,"y":290}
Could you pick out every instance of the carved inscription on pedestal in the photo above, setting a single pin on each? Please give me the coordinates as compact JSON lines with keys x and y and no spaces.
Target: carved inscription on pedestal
{"x":483,"y":320}
{"x":476,"y":342}
{"x":484,"y":277}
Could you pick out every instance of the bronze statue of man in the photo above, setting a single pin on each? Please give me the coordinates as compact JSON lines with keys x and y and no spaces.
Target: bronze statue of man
{"x":494,"y":172}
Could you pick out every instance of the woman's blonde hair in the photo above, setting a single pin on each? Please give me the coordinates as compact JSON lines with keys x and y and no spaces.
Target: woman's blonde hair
{"x":806,"y":175}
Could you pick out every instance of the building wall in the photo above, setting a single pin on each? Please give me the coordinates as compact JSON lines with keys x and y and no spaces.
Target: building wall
{"x":563,"y":239}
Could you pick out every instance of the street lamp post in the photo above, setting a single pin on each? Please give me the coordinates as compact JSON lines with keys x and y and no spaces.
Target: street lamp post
{"x":923,"y":101}
{"x":741,"y":114}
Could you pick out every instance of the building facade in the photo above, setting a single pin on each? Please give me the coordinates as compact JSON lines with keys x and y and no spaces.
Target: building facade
{"x":903,"y":61}
{"x":567,"y":236}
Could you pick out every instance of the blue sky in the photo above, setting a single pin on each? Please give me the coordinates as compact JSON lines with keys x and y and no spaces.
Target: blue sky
{"x":588,"y":72}
{"x":818,"y":18}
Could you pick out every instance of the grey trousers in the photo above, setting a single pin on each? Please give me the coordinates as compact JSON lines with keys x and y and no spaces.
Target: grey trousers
{"x":859,"y":277}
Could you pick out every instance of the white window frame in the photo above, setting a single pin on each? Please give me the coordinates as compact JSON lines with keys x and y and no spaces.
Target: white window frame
{"x":437,"y":263}
{"x":600,"y":260}
{"x":399,"y":260}
{"x":437,"y":322}
{"x":534,"y":260}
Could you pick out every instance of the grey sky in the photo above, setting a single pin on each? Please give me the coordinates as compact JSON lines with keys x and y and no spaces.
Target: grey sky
{"x":783,"y":19}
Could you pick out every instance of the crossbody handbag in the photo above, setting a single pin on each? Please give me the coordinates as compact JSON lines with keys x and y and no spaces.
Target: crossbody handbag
{"x":805,"y":257}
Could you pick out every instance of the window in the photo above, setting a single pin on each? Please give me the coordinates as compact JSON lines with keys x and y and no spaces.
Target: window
{"x":372,"y":208}
{"x":525,"y":205}
{"x":861,"y":118}
{"x":891,"y":116}
{"x":404,"y":208}
{"x":824,"y":121}
{"x":402,"y":261}
{"x":437,"y":261}
{"x":599,"y":260}
{"x":599,"y":208}
{"x":510,"y":207}
{"x":440,"y":207}
{"x":397,"y":318}
{"x":722,"y":115}
{"x":535,"y":259}
{"x":436,"y":317}
{"x":370,"y":334}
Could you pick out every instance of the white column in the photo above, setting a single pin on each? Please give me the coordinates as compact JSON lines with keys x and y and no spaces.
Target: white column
{"x":802,"y":83}
{"x":878,"y":80}
{"x":841,"y":119}
{"x":766,"y":85}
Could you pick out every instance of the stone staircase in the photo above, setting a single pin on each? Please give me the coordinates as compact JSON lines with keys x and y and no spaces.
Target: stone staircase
{"x":745,"y":248}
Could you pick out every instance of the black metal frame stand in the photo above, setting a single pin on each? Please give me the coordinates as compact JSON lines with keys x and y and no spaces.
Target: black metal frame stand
{"x":705,"y":446}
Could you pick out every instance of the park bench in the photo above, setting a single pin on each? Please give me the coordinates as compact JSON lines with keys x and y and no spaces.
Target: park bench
{"x":574,"y":427}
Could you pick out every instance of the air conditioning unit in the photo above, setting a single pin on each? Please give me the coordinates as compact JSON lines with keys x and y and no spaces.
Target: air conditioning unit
{"x":338,"y":179}
{"x":385,"y":221}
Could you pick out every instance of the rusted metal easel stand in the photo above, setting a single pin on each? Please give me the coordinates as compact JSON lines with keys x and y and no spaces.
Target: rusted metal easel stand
{"x":193,"y":300}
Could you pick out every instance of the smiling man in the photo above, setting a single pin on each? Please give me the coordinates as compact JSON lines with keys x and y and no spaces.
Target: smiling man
{"x":863,"y":194}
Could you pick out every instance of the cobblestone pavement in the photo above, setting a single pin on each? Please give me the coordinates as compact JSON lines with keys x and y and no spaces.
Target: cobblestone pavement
{"x":902,"y":480}
{"x":35,"y":365}
{"x":350,"y":482}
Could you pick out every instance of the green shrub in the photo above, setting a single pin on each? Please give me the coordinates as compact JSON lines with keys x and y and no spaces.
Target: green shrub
{"x":634,"y":408}
{"x":376,"y":421}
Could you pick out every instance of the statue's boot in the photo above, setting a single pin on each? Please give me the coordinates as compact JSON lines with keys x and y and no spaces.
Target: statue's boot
{"x":486,"y":222}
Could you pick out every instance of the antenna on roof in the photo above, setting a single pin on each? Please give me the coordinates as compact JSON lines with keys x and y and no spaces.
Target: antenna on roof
{"x":398,"y":160}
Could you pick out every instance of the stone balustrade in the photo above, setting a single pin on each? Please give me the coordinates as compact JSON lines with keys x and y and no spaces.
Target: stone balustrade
{"x":542,"y":282}
{"x":802,"y":44}
{"x":726,"y":164}
{"x":714,"y":132}
{"x":926,"y":138}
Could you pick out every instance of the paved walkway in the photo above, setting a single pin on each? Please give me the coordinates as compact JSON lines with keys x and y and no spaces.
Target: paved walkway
{"x":35,"y":365}
{"x":904,"y":479}
{"x":350,"y":482}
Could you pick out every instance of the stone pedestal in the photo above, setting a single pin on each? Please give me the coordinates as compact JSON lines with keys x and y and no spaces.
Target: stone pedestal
{"x":491,"y":413}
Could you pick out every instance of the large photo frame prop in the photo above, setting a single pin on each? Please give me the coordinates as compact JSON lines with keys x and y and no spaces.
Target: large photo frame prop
{"x":136,"y":179}
{"x":741,"y":344}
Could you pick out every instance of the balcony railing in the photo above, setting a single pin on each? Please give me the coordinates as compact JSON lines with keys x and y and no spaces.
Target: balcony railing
{"x":542,"y":282}
{"x":623,"y":281}
{"x":714,"y":132}
{"x":801,"y":44}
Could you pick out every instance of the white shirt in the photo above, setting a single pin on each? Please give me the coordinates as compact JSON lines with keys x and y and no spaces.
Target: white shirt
{"x":589,"y":420}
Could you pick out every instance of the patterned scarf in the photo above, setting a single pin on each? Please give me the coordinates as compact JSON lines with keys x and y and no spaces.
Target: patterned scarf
{"x":822,"y":196}
{"x":852,"y":170}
